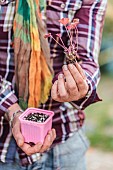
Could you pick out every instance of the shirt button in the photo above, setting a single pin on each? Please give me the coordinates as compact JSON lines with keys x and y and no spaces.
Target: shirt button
{"x":62,"y":5}
{"x":2,"y":1}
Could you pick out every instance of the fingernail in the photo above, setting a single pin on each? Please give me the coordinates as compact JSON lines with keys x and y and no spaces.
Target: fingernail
{"x":65,"y":67}
{"x":49,"y":138}
{"x":60,"y":76}
{"x":56,"y":82}
{"x":71,"y":66}
{"x":19,"y":141}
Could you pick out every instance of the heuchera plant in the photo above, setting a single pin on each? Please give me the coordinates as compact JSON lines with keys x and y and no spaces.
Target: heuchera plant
{"x":71,"y":50}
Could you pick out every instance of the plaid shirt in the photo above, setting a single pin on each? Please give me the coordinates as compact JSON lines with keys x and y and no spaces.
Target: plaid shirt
{"x":67,"y":118}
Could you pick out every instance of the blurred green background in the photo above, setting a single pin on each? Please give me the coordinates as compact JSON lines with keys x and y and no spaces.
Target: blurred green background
{"x":99,"y":116}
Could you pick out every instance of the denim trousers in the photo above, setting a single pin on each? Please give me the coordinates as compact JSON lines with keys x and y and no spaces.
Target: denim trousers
{"x":66,"y":156}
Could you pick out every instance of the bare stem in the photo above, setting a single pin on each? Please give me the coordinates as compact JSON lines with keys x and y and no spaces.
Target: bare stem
{"x":68,"y":33}
{"x":63,"y":43}
{"x":58,"y":43}
{"x":76,"y":32}
{"x":71,"y":40}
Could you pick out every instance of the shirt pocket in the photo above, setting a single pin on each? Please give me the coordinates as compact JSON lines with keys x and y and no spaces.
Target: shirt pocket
{"x":69,"y":7}
{"x":7,"y":14}
{"x":65,"y":5}
{"x":89,"y":2}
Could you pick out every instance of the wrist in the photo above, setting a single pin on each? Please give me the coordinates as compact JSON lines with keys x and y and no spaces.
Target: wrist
{"x":16,"y":113}
{"x":13,"y":108}
{"x":12,"y":111}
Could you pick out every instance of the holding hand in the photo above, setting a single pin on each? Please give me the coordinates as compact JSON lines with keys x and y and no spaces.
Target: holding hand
{"x":71,"y":85}
{"x":37,"y":148}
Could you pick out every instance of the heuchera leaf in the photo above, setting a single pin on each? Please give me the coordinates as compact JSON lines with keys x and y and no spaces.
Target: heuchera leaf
{"x":64,"y":21}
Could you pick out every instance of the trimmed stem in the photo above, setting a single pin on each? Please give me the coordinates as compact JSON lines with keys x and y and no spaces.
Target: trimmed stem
{"x":58,"y":43}
{"x":63,"y":43}
{"x":71,"y":40}
{"x":76,"y":30}
{"x":68,"y":32}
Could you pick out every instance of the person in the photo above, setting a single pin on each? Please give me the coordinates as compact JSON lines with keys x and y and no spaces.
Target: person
{"x":66,"y":144}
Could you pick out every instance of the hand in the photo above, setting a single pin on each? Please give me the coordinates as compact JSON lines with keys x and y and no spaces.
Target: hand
{"x":37,"y":148}
{"x":71,"y":85}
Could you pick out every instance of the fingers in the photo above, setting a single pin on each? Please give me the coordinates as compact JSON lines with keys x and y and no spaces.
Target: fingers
{"x":37,"y":148}
{"x":17,"y":133}
{"x":70,"y":81}
{"x":76,"y":80}
{"x":54,"y":91}
{"x":29,"y":150}
{"x":20,"y":139}
{"x":48,"y":140}
{"x":79,"y":68}
{"x":71,"y":85}
{"x":40,"y":148}
{"x":61,"y":88}
{"x":59,"y":91}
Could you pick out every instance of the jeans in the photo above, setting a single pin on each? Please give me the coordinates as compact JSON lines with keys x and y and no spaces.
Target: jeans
{"x":66,"y":156}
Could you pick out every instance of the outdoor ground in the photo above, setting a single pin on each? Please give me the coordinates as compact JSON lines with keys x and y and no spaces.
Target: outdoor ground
{"x":99,"y":160}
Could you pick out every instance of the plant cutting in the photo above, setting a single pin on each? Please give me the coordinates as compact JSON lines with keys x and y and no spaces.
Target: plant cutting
{"x":71,"y":50}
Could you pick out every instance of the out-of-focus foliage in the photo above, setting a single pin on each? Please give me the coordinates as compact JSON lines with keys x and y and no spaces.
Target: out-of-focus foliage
{"x":106,"y":55}
{"x":108,"y":27}
{"x":99,"y":116}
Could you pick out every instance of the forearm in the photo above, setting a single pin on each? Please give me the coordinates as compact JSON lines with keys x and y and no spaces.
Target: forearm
{"x":7,"y":96}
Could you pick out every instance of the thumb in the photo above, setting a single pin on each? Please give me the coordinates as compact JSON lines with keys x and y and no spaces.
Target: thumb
{"x":20,"y":141}
{"x":16,"y":130}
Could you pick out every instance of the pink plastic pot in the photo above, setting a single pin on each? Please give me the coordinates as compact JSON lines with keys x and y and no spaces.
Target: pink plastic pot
{"x":32,"y":131}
